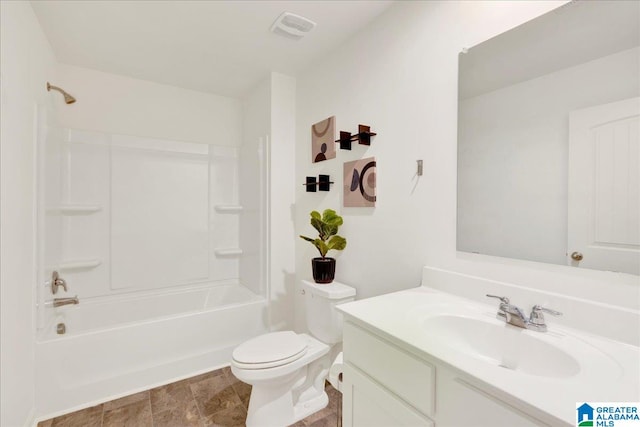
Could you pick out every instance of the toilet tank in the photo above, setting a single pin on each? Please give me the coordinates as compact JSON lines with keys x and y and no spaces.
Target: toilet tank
{"x":323,"y":321}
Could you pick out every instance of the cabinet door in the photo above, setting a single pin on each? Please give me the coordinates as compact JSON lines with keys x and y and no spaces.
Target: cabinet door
{"x":403,"y":374}
{"x":462,"y":404}
{"x":367,"y":404}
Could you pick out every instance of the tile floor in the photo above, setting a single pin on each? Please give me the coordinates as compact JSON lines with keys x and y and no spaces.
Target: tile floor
{"x":214,"y":399}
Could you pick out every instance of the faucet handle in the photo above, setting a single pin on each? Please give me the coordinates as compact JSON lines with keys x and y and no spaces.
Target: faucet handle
{"x":536,"y":320}
{"x":504,"y":300}
{"x":536,"y":310}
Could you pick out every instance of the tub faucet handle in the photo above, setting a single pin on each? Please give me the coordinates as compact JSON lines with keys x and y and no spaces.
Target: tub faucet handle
{"x":56,"y":282}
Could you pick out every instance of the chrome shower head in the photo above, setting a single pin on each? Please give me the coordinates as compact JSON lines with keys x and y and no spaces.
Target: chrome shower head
{"x":67,"y":98}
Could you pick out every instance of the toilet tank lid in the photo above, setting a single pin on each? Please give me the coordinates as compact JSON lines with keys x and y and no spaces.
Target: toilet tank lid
{"x":333,"y":290}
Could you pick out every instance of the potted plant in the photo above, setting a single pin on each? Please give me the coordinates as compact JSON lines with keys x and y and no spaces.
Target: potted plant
{"x":324,"y":268}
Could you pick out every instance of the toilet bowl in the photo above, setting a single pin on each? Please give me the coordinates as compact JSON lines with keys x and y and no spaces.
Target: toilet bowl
{"x":287,"y":370}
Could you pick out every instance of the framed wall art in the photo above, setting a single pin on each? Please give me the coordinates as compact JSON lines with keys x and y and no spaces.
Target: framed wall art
{"x":323,"y":135}
{"x":360,"y":183}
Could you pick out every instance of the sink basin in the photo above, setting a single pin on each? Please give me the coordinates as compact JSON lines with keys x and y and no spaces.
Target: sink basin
{"x":502,"y":345}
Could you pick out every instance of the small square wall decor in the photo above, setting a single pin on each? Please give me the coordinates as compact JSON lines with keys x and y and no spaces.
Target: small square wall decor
{"x":360,"y":183}
{"x":323,"y":135}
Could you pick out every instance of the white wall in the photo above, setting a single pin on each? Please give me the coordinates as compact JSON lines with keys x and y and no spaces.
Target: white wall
{"x":282,"y":182}
{"x":256,"y":128}
{"x":27,"y":62}
{"x":399,"y":75}
{"x":269,"y":116}
{"x":513,"y":157}
{"x":123,"y":105}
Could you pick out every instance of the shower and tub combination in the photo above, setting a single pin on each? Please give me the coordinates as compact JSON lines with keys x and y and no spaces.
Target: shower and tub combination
{"x":162,"y":243}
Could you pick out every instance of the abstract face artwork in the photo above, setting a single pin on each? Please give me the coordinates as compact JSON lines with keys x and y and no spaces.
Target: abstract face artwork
{"x":360,"y":183}
{"x":323,"y":136}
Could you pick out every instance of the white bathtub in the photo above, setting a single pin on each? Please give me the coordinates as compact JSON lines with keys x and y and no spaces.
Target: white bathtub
{"x":126,"y":344}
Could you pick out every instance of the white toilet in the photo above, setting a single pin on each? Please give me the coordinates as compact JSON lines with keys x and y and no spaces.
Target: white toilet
{"x":288,"y":370}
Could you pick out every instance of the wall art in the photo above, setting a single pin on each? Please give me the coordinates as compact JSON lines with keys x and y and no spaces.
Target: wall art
{"x":322,"y":184}
{"x":360,"y":183}
{"x":323,"y":135}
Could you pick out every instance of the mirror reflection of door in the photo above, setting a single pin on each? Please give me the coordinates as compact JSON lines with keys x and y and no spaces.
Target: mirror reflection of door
{"x":604,"y":187}
{"x":516,"y":93}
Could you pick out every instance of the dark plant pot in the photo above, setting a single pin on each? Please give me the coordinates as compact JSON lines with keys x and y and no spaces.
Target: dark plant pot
{"x":324,"y":269}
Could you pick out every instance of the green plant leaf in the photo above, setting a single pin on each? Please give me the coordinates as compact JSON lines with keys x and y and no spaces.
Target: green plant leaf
{"x":337,"y":243}
{"x":315,"y":214}
{"x":322,"y":247}
{"x":308,"y":239}
{"x":318,"y":225}
{"x":330,"y":230}
{"x":329,"y":216}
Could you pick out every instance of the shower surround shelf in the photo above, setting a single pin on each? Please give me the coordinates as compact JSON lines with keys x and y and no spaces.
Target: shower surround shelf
{"x":229,"y":208}
{"x":74,"y":209}
{"x":228,"y":252}
{"x":80,"y":264}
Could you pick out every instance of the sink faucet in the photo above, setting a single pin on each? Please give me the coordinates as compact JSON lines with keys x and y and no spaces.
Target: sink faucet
{"x":514,"y":315}
{"x":536,"y":321}
{"x":57,"y":302}
{"x":510,"y":313}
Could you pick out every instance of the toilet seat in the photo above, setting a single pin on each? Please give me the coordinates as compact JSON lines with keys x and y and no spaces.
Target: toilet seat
{"x":270,"y":350}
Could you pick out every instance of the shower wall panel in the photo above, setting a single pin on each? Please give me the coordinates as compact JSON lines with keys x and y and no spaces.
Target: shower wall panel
{"x":253,"y":228}
{"x":50,"y":143}
{"x":159,"y":214}
{"x":85,"y":232}
{"x":223,"y":191}
{"x":142,"y":213}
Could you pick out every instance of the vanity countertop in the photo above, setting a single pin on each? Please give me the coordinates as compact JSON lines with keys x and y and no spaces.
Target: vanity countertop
{"x":549,"y":371}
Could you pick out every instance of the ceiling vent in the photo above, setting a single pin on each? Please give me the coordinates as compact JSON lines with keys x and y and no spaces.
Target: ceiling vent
{"x":292,"y":26}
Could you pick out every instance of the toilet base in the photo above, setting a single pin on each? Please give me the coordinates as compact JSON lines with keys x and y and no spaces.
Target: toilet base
{"x":304,"y":409}
{"x":289,"y":401}
{"x":295,"y":393}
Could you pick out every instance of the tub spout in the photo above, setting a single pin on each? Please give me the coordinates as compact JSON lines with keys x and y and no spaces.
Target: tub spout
{"x":57,"y":302}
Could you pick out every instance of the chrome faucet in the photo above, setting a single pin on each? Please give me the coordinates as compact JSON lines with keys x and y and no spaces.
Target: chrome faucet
{"x":514,"y":315}
{"x":58,"y":302}
{"x":536,"y":321}
{"x":510,"y":313}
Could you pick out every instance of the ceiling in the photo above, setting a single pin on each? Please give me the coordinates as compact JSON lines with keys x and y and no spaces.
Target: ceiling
{"x":573,"y":34}
{"x":222,"y":47}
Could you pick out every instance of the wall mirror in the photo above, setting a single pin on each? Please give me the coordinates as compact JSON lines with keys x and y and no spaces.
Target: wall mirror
{"x":548,"y":120}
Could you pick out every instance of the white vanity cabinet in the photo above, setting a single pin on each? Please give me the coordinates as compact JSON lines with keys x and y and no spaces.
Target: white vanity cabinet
{"x":374,"y":394}
{"x":385,"y":385}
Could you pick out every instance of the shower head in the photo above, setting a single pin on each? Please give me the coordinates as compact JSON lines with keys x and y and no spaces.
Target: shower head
{"x":67,"y":98}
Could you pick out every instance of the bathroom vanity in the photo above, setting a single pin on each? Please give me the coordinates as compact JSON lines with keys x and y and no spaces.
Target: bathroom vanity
{"x":422,"y":357}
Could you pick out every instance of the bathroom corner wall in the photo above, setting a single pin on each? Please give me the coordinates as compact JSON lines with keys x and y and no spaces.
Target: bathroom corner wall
{"x":282,"y":238}
{"x":400,"y":76}
{"x":27,"y":63}
{"x":269,"y":119}
{"x":256,"y":127}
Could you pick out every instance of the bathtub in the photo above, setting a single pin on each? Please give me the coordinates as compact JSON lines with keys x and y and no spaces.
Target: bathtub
{"x":128,"y":343}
